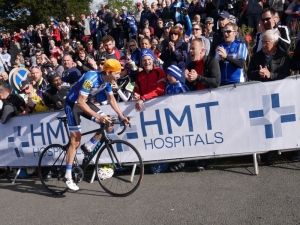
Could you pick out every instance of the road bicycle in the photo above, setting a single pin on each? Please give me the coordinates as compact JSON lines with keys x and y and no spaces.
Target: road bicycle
{"x":119,"y":155}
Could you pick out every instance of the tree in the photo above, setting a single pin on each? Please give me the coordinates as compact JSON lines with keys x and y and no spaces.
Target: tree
{"x":15,"y":14}
{"x":114,"y":4}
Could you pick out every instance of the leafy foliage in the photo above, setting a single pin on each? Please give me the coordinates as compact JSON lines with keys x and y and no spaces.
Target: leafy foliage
{"x":114,"y":4}
{"x":15,"y":14}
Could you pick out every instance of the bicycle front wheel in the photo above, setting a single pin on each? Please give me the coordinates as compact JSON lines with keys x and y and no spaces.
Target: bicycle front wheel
{"x":52,"y":168}
{"x":119,"y":168}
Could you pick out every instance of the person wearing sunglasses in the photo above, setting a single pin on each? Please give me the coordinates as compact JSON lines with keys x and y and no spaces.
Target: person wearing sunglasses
{"x":232,"y":55}
{"x":175,"y":51}
{"x":267,"y":23}
{"x":159,"y":31}
{"x":218,"y":37}
{"x":197,"y":33}
{"x":35,"y":97}
{"x":13,"y":104}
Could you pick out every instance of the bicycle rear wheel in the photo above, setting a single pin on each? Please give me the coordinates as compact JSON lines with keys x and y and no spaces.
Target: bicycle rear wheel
{"x":52,"y":168}
{"x":127,"y":166}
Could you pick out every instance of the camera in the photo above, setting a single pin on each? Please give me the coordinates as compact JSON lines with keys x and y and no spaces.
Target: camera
{"x":183,"y":11}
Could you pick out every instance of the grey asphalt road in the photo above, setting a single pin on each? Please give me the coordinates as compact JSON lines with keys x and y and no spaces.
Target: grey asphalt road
{"x":216,"y":196}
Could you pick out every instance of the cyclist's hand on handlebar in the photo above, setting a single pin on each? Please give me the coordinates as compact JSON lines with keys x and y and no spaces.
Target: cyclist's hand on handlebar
{"x":104,"y":119}
{"x":126,"y":121}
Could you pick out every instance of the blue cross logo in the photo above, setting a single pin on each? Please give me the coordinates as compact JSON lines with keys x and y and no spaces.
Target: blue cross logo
{"x":18,"y":142}
{"x":272,"y":115}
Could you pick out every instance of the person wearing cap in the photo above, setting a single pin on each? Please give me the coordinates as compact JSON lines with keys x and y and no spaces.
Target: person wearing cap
{"x":218,"y":37}
{"x":208,"y":32}
{"x":175,"y":86}
{"x":13,"y":104}
{"x":54,"y":97}
{"x":149,"y":75}
{"x":35,"y":100}
{"x":77,"y":105}
{"x":138,"y":12}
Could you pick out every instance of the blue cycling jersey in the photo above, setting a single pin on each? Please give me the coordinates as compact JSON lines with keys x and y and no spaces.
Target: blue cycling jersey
{"x":231,"y":73}
{"x":89,"y":85}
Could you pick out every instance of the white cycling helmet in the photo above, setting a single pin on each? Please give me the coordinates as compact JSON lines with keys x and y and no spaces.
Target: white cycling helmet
{"x":124,"y":8}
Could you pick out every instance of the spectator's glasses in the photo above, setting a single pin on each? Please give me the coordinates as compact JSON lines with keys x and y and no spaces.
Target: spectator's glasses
{"x":174,"y":34}
{"x":228,"y":31}
{"x":25,"y":89}
{"x":266,"y":19}
{"x":34,"y":67}
{"x":131,"y":45}
{"x":196,"y":29}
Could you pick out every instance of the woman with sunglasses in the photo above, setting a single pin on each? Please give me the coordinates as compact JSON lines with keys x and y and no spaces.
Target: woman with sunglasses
{"x":175,"y":51}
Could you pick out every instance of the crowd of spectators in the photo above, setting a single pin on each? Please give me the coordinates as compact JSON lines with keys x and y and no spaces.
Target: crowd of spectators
{"x":175,"y":46}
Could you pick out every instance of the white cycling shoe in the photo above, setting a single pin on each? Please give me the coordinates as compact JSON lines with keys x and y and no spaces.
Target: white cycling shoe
{"x":70,"y":184}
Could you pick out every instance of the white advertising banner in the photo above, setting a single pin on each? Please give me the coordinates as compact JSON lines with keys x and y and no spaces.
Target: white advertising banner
{"x":230,"y":120}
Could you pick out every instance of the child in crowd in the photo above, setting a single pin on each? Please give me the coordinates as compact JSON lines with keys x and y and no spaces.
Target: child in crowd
{"x":175,"y":86}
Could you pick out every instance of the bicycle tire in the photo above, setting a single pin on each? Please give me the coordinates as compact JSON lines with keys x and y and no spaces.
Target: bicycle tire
{"x":122,"y":183}
{"x":52,"y":169}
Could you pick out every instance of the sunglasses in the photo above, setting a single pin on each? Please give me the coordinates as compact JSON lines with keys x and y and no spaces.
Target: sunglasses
{"x":25,"y":89}
{"x":196,"y":29}
{"x":34,"y":67}
{"x":228,"y":31}
{"x":266,"y":19}
{"x":173,"y":34}
{"x":131,"y":45}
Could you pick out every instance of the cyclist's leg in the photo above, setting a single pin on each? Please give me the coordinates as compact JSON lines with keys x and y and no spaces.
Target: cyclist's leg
{"x":73,"y":113}
{"x":87,"y":147}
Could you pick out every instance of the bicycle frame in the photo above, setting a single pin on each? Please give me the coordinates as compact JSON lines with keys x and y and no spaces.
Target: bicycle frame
{"x":101,"y":130}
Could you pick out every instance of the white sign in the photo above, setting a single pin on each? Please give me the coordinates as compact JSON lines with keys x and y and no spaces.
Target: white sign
{"x":226,"y":121}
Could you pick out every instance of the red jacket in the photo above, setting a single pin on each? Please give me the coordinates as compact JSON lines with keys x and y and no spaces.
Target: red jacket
{"x":56,"y":35}
{"x":151,"y":85}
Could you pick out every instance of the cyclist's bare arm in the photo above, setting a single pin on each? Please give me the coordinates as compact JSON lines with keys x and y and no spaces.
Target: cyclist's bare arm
{"x":81,"y":103}
{"x":115,"y":106}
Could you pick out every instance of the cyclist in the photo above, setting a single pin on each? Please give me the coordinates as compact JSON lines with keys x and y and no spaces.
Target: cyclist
{"x":77,"y":104}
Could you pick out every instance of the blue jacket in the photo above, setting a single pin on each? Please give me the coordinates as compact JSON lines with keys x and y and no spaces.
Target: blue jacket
{"x":177,"y":88}
{"x":232,"y":70}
